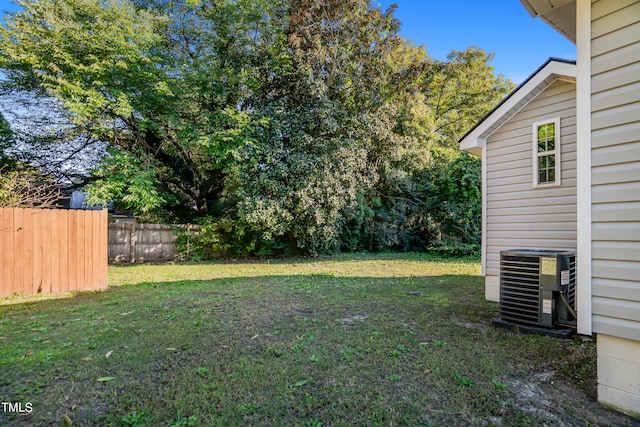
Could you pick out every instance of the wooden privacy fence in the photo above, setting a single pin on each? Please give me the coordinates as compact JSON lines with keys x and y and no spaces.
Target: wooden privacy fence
{"x":52,"y":250}
{"x":133,"y":242}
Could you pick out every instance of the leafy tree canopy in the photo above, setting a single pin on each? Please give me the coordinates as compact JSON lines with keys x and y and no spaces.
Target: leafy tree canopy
{"x":303,"y":125}
{"x":6,"y":141}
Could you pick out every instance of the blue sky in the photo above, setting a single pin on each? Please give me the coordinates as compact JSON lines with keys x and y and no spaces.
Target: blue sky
{"x":520,"y":43}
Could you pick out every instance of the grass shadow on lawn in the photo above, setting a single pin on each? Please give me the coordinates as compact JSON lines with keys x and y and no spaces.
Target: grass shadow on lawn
{"x":329,"y":348}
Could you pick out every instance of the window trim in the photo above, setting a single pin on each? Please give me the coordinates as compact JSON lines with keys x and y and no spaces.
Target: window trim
{"x":555,"y":152}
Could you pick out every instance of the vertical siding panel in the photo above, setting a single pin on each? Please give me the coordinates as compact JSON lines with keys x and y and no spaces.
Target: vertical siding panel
{"x":18,"y":250}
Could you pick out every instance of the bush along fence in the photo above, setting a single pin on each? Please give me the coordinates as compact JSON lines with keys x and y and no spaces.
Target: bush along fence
{"x":52,"y":250}
{"x":132,"y":242}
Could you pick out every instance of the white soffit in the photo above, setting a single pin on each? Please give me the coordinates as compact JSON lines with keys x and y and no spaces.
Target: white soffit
{"x":552,"y":70}
{"x":559,"y":14}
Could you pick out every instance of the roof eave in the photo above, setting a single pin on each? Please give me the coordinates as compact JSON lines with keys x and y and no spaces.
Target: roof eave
{"x":474,"y":141}
{"x":559,"y":14}
{"x":476,"y":150}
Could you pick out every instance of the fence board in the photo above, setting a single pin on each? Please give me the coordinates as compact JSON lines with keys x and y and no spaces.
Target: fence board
{"x":73,"y":255}
{"x":95,"y":241}
{"x":53,"y":251}
{"x":80,"y":243}
{"x":44,"y":250}
{"x":47,"y":273}
{"x":7,"y":243}
{"x":103,"y":256}
{"x":36,"y":281}
{"x":18,"y":249}
{"x":27,"y":259}
{"x":88,"y":234}
{"x":63,"y":243}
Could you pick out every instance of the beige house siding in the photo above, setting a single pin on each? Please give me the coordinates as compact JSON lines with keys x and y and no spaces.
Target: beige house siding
{"x":517,"y":215}
{"x":619,"y":373}
{"x":615,"y":168}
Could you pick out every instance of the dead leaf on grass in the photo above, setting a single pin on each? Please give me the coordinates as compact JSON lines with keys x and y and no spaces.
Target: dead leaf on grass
{"x":106,"y":356}
{"x":87,"y":359}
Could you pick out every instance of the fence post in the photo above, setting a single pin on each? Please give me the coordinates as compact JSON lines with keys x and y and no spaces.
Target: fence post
{"x":188,"y":257}
{"x":132,"y":242}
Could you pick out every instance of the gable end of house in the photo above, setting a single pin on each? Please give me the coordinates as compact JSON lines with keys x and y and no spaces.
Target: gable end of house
{"x":552,"y":70}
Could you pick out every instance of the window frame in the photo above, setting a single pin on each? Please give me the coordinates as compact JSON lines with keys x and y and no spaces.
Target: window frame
{"x":555,"y":152}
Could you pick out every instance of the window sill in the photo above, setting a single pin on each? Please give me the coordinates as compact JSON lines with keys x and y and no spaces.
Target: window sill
{"x":549,"y":185}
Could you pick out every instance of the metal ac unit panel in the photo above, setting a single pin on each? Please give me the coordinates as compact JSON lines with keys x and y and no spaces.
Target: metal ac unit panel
{"x":532,"y":284}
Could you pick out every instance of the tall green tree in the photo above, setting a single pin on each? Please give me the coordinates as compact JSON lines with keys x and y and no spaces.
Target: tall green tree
{"x":461,"y":92}
{"x":162,"y":81}
{"x":328,"y":107}
{"x":429,"y":195}
{"x":310,"y":125}
{"x":94,"y":57}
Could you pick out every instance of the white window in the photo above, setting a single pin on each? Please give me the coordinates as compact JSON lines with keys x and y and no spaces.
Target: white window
{"x":546,"y":153}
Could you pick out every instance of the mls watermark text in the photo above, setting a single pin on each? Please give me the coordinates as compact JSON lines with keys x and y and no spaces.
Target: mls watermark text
{"x":16,"y":407}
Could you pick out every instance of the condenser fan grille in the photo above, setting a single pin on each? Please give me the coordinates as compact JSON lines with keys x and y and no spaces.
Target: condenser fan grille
{"x":520,"y":288}
{"x":571,"y":291}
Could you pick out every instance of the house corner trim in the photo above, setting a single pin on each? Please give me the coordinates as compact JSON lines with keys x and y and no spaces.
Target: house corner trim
{"x":583,"y":118}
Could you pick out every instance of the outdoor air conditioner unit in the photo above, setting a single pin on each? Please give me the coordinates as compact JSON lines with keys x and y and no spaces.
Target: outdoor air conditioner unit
{"x":538,"y":287}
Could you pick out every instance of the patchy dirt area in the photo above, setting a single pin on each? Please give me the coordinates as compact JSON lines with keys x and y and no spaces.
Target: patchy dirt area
{"x":548,"y":397}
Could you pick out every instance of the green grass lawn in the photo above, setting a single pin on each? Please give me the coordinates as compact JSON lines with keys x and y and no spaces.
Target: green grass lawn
{"x":337,"y":341}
